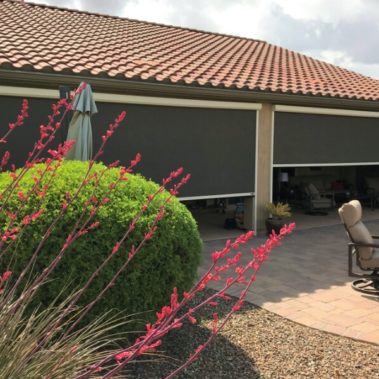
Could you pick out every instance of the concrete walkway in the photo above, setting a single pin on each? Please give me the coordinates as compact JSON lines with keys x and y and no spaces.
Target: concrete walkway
{"x":305,"y":280}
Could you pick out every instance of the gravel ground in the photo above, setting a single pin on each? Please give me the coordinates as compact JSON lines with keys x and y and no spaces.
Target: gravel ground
{"x":259,"y":344}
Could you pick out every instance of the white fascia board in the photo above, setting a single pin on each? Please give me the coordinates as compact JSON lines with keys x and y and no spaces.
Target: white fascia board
{"x":326,"y":164}
{"x":27,"y":92}
{"x":131,"y":99}
{"x":223,"y":196}
{"x":174,"y":102}
{"x":325,"y":111}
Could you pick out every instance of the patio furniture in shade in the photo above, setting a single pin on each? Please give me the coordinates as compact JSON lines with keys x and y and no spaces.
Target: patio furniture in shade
{"x":80,"y":129}
{"x":362,"y":247}
{"x":317,"y":201}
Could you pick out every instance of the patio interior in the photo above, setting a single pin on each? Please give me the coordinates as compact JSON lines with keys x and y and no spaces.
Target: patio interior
{"x":211,"y":221}
{"x":305,"y":279}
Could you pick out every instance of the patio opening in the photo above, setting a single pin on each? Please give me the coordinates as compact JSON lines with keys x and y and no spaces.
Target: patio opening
{"x":220,"y":218}
{"x":315,"y":192}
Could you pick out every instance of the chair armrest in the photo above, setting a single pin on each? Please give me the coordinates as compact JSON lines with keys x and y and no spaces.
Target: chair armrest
{"x":327,"y":193}
{"x":364,"y":244}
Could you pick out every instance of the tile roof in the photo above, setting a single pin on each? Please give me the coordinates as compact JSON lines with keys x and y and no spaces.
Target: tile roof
{"x":49,"y":39}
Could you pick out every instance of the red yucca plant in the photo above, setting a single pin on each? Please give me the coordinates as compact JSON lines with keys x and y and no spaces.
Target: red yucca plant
{"x":52,"y":342}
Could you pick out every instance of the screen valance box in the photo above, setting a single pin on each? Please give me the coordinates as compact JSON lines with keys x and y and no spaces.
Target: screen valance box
{"x":324,"y":139}
{"x":216,"y":146}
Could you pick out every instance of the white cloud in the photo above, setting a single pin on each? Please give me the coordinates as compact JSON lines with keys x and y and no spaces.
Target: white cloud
{"x":340,"y":58}
{"x":241,"y":18}
{"x":244,"y":19}
{"x":323,"y":10}
{"x":157,"y":10}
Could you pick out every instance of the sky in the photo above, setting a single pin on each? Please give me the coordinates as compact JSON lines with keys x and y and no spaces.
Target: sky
{"x":342,"y":32}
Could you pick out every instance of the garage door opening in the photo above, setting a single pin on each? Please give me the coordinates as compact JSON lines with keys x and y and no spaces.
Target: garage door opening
{"x":315,"y":192}
{"x":221,"y":218}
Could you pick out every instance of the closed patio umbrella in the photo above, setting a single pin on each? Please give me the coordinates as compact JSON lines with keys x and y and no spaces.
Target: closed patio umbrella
{"x":80,"y":129}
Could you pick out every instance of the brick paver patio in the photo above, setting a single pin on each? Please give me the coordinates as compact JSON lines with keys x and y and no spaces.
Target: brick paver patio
{"x":305,"y":280}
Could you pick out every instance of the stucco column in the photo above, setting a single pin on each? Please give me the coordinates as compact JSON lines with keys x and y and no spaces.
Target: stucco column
{"x":263,"y":166}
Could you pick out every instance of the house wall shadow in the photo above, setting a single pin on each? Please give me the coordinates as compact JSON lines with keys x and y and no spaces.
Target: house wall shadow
{"x":222,"y":359}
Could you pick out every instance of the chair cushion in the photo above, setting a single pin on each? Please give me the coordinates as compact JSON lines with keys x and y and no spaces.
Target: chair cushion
{"x":350,"y":213}
{"x":319,"y":182}
{"x":313,"y":191}
{"x":360,"y":234}
{"x":322,"y":203}
{"x":372,"y":263}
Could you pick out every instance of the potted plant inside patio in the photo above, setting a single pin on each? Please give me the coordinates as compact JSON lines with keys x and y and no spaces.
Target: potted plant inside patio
{"x":278,"y":213}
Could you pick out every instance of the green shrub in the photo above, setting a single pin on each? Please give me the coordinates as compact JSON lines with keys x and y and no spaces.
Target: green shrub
{"x":170,"y":259}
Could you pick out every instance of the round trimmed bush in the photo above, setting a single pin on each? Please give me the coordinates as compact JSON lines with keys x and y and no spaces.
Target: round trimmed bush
{"x":170,"y":259}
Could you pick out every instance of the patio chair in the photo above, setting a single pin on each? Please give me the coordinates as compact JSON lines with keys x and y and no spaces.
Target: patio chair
{"x":362,"y":247}
{"x":316,"y":200}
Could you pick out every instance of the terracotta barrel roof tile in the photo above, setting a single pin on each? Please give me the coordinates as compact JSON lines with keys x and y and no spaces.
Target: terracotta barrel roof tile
{"x":42,"y":38}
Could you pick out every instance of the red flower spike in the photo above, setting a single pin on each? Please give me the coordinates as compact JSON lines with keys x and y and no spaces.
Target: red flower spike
{"x":116,"y":247}
{"x":5,"y":159}
{"x":21,"y":196}
{"x":177,"y":324}
{"x":229,"y":281}
{"x":239,"y":270}
{"x":237,"y":306}
{"x":26,"y":220}
{"x":187,"y":295}
{"x":114,"y":164}
{"x":21,"y":117}
{"x":36,"y":215}
{"x":150,"y":233}
{"x":11,"y":216}
{"x":174,"y":298}
{"x":93,"y":225}
{"x":124,"y":355}
{"x":136,"y":160}
{"x":192,"y":319}
{"x":6,"y":275}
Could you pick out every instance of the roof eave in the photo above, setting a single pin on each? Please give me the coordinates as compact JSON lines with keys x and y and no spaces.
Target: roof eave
{"x":109,"y":85}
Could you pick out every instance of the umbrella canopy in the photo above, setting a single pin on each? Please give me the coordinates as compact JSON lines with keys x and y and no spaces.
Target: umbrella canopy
{"x":80,"y":129}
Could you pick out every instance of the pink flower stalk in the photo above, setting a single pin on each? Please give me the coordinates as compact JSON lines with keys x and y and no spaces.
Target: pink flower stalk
{"x":273,"y":241}
{"x":6,"y":275}
{"x":3,"y":278}
{"x":130,"y":255}
{"x":226,"y":266}
{"x":112,"y":127}
{"x":78,"y":230}
{"x":50,"y":166}
{"x":5,"y":160}
{"x":166,"y":319}
{"x":62,"y":150}
{"x":19,"y":121}
{"x":47,"y":135}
